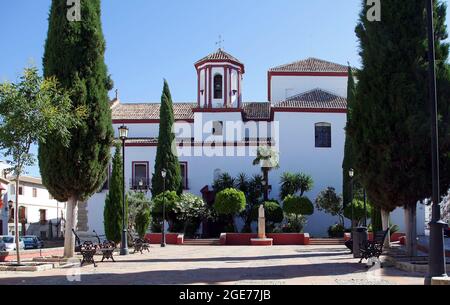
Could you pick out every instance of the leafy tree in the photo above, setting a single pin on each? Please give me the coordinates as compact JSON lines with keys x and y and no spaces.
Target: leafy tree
{"x":230,"y":202}
{"x":389,"y":125}
{"x":170,"y":200}
{"x":268,"y":159}
{"x":224,"y":181}
{"x":30,"y":111}
{"x":136,"y":202}
{"x":297,"y":205}
{"x":331,"y":203}
{"x":358,"y":211}
{"x":113,"y":210}
{"x":166,"y":154}
{"x":254,"y":196}
{"x":191,"y":210}
{"x":292,"y":184}
{"x":74,"y":54}
{"x":376,"y":219}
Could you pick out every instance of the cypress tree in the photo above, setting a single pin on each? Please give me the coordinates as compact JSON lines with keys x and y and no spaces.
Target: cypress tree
{"x":166,"y":154}
{"x":390,"y":121}
{"x":348,"y":153}
{"x":74,"y":54}
{"x":112,"y":213}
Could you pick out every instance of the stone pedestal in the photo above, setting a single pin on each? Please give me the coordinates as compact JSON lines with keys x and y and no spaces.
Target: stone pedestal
{"x":262,"y":239}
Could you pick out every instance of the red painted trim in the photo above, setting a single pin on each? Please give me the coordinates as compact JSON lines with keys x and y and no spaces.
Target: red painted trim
{"x":239,"y":97}
{"x":147,"y":164}
{"x":198,"y":88}
{"x":225,"y":86}
{"x":218,"y":144}
{"x":331,"y":74}
{"x":147,"y":121}
{"x":269,"y":87}
{"x":210,"y":86}
{"x":186,"y":174}
{"x":221,"y":60}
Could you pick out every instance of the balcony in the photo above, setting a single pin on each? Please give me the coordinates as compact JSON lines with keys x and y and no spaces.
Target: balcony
{"x":140,"y":184}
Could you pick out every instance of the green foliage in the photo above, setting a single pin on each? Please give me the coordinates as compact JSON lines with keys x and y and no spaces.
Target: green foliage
{"x":143,"y":221}
{"x":336,"y":231}
{"x":74,"y":54}
{"x":377,"y":224}
{"x":30,"y":111}
{"x":390,"y":122}
{"x":358,"y":211}
{"x":224,"y":181}
{"x":297,"y":205}
{"x":331,"y":203}
{"x":191,"y":210}
{"x":230,"y":202}
{"x":113,"y":210}
{"x":292,"y":184}
{"x":170,"y":200}
{"x":166,"y":154}
{"x":273,"y":212}
{"x":294,"y":224}
{"x":137,"y":202}
{"x":348,"y":149}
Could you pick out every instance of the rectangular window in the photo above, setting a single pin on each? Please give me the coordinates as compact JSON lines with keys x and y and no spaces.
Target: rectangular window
{"x":22,"y":214}
{"x":43,"y":216}
{"x":13,"y":189}
{"x":20,"y":190}
{"x":184,"y":175}
{"x":217,"y":128}
{"x":34,"y":192}
{"x":140,"y":179}
{"x":323,"y":135}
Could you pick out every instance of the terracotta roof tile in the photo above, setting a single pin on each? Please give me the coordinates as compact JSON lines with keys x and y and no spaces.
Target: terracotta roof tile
{"x":313,"y":99}
{"x":150,"y":111}
{"x":256,"y":111}
{"x":219,"y":55}
{"x":311,"y":65}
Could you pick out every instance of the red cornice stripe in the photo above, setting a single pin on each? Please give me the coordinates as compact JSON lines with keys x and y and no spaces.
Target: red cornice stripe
{"x":333,"y":74}
{"x":310,"y":110}
{"x":215,"y":110}
{"x":221,"y":60}
{"x":147,"y":121}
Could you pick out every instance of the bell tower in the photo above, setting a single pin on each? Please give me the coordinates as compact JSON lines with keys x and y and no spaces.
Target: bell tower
{"x":220,"y":78}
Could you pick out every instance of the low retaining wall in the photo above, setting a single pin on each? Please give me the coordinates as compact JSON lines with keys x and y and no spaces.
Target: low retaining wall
{"x":396,"y":237}
{"x":30,"y":254}
{"x":279,"y":239}
{"x":171,"y":238}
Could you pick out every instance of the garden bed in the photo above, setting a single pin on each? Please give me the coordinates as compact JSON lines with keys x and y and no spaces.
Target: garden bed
{"x":26,"y":267}
{"x":171,"y":238}
{"x":279,"y":239}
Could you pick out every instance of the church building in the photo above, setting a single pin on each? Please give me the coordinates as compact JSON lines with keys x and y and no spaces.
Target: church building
{"x":303,"y":119}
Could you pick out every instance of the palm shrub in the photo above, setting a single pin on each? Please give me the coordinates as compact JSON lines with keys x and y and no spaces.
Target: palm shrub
{"x":224,"y":181}
{"x":292,"y":184}
{"x":230,"y":202}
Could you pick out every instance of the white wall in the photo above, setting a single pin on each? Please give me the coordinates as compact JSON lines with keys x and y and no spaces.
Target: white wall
{"x":300,"y":84}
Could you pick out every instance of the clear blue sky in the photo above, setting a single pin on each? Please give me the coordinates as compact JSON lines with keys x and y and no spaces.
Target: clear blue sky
{"x":151,"y":40}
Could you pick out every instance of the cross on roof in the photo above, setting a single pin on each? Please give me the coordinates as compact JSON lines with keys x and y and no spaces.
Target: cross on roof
{"x":219,"y":43}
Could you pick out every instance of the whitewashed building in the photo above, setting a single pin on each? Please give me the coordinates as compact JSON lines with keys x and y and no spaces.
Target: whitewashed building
{"x":39,"y":213}
{"x":303,"y":119}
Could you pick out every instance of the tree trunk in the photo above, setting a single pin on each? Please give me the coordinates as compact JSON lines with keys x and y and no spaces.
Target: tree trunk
{"x":71,"y":223}
{"x":266,"y":185}
{"x":16,"y":221}
{"x":411,"y":229}
{"x":386,"y":225}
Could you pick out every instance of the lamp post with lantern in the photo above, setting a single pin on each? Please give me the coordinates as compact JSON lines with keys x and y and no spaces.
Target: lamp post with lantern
{"x":163,"y":238}
{"x":123,"y":135}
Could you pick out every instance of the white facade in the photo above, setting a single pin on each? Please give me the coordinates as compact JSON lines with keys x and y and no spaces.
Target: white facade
{"x":38,"y":211}
{"x":288,"y":122}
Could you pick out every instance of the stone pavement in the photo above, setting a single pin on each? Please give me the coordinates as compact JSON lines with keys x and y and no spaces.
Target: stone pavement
{"x":243,"y":265}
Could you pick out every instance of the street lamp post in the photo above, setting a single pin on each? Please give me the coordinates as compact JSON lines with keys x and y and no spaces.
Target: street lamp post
{"x":123,"y":135}
{"x":163,"y":239}
{"x":437,"y":265}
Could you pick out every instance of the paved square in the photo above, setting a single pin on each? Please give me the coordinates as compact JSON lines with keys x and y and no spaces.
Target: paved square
{"x":297,"y":265}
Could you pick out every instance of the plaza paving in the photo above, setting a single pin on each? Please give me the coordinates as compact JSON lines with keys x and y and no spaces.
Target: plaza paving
{"x":297,"y":265}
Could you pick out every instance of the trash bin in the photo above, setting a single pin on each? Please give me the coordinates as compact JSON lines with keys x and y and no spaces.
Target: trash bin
{"x":359,"y":236}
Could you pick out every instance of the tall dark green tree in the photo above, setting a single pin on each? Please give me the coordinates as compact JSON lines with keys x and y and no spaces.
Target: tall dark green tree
{"x":166,"y":154}
{"x":74,"y":54}
{"x":390,"y":119}
{"x":112,"y":213}
{"x":348,"y":150}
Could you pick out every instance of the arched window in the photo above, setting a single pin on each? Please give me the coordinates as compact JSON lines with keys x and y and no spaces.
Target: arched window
{"x":218,"y":86}
{"x":323,"y":135}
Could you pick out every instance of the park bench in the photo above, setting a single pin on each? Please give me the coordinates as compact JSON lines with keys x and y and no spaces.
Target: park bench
{"x":88,"y":245}
{"x":141,"y":245}
{"x":88,"y":250}
{"x":371,"y":249}
{"x":107,"y":249}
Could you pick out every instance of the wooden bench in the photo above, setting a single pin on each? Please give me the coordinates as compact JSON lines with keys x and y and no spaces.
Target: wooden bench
{"x":140,"y":245}
{"x":107,"y":249}
{"x":88,"y":250}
